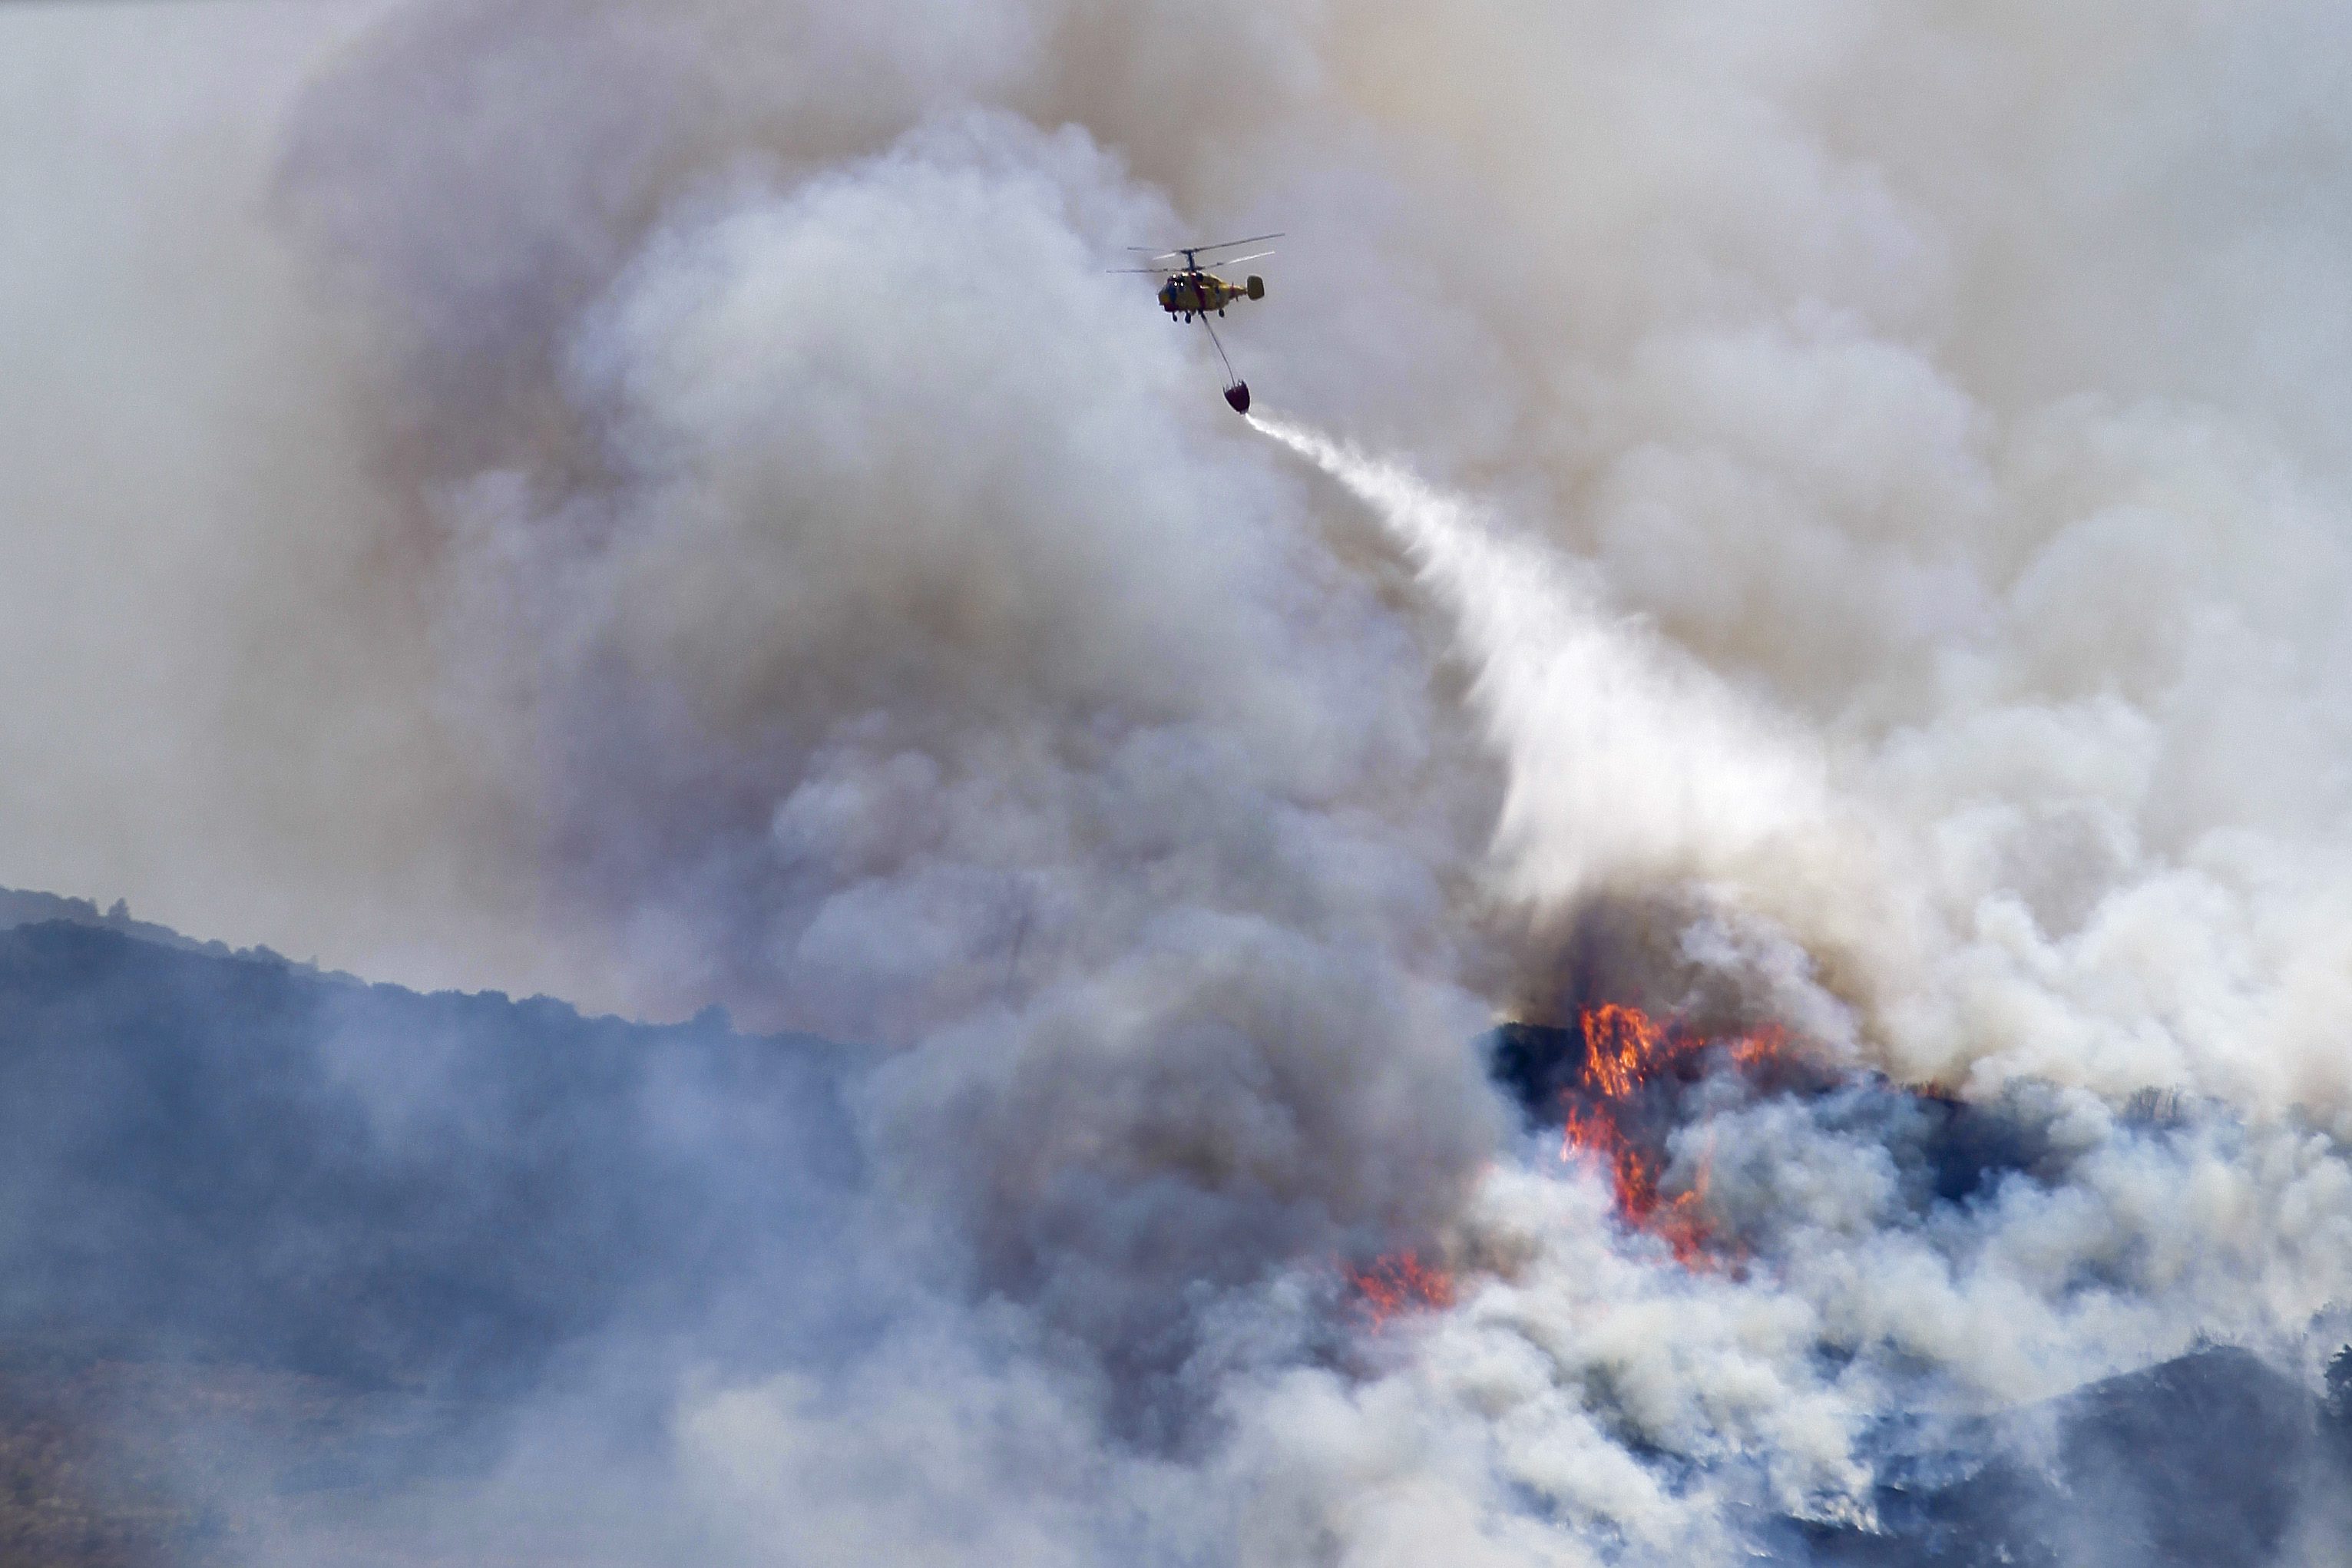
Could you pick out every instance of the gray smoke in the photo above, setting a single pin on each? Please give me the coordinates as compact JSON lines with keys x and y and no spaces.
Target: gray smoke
{"x":666,"y":503}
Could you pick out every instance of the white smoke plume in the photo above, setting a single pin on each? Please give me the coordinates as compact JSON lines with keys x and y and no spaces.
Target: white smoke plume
{"x":1621,"y":765}
{"x":1862,"y":547}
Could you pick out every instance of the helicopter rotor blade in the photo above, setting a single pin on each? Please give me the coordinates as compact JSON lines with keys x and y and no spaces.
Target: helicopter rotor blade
{"x":1237,"y":260}
{"x":1201,"y":249}
{"x":1229,"y":244}
{"x":1155,"y":271}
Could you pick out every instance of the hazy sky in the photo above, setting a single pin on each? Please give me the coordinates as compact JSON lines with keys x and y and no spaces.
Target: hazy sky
{"x":1819,"y":512}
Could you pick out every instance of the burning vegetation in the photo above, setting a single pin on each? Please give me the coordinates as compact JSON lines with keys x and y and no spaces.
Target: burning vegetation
{"x":1399,"y":1282}
{"x":1624,"y":1099}
{"x":1613,"y":1089}
{"x":1616,"y":1086}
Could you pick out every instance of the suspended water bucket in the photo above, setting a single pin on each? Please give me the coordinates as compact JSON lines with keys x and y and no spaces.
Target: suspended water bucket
{"x":1238,"y":395}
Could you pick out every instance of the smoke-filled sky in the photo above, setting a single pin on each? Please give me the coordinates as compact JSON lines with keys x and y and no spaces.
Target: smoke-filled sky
{"x":1815,"y":515}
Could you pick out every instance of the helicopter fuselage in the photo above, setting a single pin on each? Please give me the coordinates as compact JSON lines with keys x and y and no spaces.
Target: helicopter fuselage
{"x":1197,"y":292}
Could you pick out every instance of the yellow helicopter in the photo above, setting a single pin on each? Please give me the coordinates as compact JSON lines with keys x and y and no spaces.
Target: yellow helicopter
{"x":1191,"y":290}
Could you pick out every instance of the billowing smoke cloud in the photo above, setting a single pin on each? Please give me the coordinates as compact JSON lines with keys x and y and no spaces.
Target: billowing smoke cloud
{"x":1857,"y":549}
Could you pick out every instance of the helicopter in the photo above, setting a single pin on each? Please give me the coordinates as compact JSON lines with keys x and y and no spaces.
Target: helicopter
{"x":1191,"y":290}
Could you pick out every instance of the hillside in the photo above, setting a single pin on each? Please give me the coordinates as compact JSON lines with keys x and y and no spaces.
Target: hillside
{"x":345,"y":1223}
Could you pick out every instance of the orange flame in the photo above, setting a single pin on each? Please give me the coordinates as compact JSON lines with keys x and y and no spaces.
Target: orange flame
{"x":1760,"y":1048}
{"x":1400,"y":1282}
{"x":1625,"y":1050}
